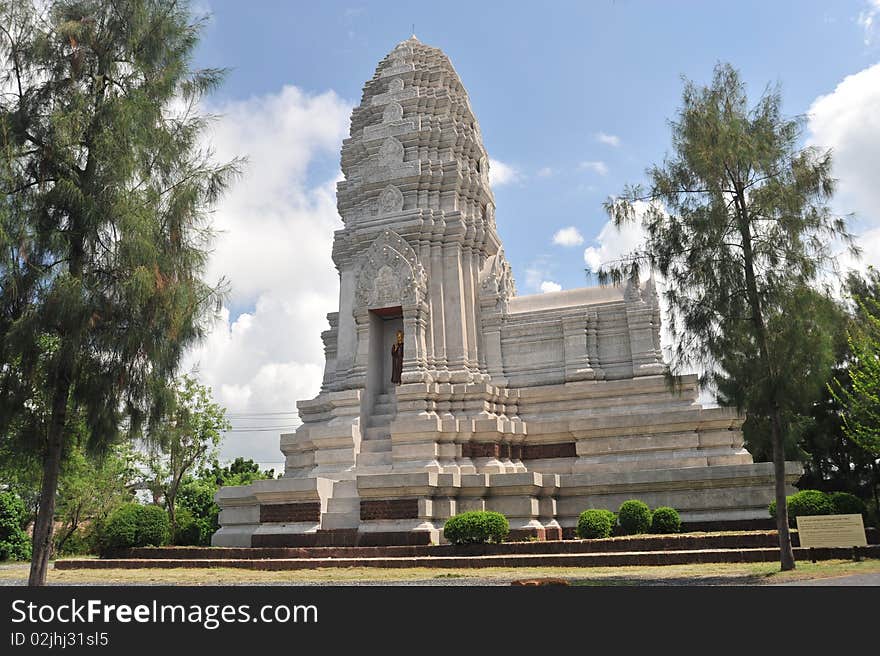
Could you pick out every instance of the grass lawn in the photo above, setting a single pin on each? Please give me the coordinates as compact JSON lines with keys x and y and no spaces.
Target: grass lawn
{"x":697,"y":574}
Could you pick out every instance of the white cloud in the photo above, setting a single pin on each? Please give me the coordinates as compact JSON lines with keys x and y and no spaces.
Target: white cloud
{"x":608,"y":139}
{"x":550,"y":286}
{"x":502,"y":174}
{"x":276,"y":233}
{"x":614,"y":243}
{"x":545,"y":172}
{"x":847,"y":121}
{"x":868,"y":20}
{"x":596,"y":167}
{"x":569,"y":236}
{"x":539,"y":273}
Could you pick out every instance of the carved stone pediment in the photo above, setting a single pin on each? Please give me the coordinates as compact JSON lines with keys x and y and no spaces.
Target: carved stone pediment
{"x":390,"y":200}
{"x":390,"y":152}
{"x":496,"y":278}
{"x":393,"y":112}
{"x":389,"y":274}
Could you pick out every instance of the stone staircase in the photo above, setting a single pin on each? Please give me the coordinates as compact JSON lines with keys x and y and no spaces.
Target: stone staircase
{"x":344,"y":506}
{"x":375,"y":455}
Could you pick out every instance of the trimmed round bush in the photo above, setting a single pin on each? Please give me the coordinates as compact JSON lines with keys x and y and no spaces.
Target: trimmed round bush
{"x":476,"y":527}
{"x":134,"y":525}
{"x":665,"y":520}
{"x":804,"y":503}
{"x":848,"y":504}
{"x":809,"y":502}
{"x":634,"y":517}
{"x":594,"y":524}
{"x":14,"y":542}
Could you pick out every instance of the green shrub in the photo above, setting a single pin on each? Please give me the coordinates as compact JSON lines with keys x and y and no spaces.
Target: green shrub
{"x":809,"y":502}
{"x":665,"y":520}
{"x":848,"y":504}
{"x":805,"y":503}
{"x":14,"y":542}
{"x":595,"y":524}
{"x":197,"y":496}
{"x":76,"y":545}
{"x":134,"y":525}
{"x":187,"y":532}
{"x":476,"y":527}
{"x":634,"y":517}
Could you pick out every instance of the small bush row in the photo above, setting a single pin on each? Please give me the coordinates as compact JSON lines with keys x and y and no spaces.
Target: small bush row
{"x":137,"y":525}
{"x":816,"y":502}
{"x":633,"y":517}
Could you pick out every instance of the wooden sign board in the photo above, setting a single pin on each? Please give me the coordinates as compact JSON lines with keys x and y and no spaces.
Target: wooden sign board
{"x":831,"y":531}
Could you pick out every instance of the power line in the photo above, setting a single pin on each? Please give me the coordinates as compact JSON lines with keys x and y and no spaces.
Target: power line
{"x":260,"y":414}
{"x":261,"y":429}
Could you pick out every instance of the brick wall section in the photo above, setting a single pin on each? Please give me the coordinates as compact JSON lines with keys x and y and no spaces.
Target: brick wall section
{"x":538,"y":451}
{"x":518,"y":451}
{"x":459,"y":561}
{"x":291,"y":512}
{"x":481,"y":450}
{"x":389,"y":509}
{"x":329,"y":544}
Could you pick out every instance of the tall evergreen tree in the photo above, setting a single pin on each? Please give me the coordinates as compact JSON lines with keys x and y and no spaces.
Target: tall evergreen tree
{"x":737,"y":222}
{"x":860,"y":398}
{"x":104,"y":228}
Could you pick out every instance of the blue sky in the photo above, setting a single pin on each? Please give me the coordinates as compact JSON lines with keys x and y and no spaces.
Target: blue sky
{"x":545,"y":79}
{"x":573,"y":99}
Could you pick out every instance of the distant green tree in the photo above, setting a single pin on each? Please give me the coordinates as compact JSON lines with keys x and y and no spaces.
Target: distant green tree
{"x":832,"y":460}
{"x":196,"y":493}
{"x":240,"y":471}
{"x":105,"y":224}
{"x":738,"y":224}
{"x":91,"y":487}
{"x":860,"y":399}
{"x":184,"y":441}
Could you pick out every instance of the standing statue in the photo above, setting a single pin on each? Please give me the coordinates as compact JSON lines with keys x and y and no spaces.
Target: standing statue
{"x":397,"y":358}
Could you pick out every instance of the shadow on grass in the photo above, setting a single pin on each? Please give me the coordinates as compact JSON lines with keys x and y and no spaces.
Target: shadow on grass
{"x":750,"y":579}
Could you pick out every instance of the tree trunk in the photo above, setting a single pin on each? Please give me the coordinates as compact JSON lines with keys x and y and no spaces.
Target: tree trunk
{"x":786,"y":554}
{"x":876,"y":471}
{"x":44,"y":524}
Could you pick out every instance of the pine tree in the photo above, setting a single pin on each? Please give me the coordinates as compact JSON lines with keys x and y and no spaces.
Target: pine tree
{"x":737,"y":223}
{"x":105,"y":230}
{"x":860,"y":398}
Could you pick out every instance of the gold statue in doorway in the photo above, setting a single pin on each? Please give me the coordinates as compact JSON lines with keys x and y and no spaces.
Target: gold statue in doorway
{"x":397,"y":358}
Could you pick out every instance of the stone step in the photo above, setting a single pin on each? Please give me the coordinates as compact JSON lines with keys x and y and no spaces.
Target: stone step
{"x":376,"y":446}
{"x":373,"y":459}
{"x":380,"y":419}
{"x":344,"y":505}
{"x":345,"y":489}
{"x":336,"y":520}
